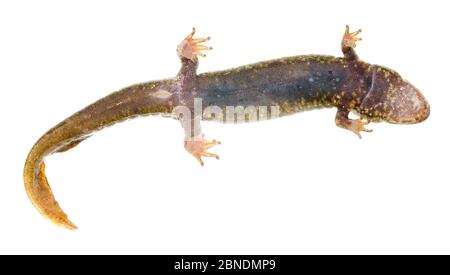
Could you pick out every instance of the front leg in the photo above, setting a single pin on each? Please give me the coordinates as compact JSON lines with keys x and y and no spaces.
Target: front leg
{"x":354,"y":125}
{"x":348,"y":43}
{"x":190,"y":109}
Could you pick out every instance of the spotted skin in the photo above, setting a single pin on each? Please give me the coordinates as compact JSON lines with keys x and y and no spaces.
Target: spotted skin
{"x":290,"y":84}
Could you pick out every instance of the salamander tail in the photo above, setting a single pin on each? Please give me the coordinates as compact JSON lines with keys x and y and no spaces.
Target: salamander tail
{"x":41,"y":195}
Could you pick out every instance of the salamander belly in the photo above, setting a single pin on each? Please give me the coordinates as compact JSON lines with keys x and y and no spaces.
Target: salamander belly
{"x":290,"y":84}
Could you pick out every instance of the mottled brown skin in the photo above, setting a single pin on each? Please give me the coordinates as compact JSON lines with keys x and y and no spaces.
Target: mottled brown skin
{"x":292,"y":84}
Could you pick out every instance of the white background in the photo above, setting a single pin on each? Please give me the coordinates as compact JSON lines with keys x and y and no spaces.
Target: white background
{"x":294,"y":185}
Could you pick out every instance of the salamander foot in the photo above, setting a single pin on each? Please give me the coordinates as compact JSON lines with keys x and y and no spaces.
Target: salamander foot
{"x":191,"y":48}
{"x":354,"y":125}
{"x":350,"y":38}
{"x":198,"y":148}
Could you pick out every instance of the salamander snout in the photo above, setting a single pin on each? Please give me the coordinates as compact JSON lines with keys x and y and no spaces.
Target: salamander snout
{"x":406,"y":104}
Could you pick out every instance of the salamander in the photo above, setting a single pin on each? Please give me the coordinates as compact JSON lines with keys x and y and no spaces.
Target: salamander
{"x":253,"y":92}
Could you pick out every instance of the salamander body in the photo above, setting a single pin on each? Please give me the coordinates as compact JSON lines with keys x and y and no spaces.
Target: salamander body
{"x":254,"y":92}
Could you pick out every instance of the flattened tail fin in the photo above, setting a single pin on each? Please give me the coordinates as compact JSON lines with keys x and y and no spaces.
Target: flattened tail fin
{"x":41,"y":195}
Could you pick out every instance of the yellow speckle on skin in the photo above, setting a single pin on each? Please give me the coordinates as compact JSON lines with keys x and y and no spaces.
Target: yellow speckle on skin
{"x":149,"y":86}
{"x":302,"y":101}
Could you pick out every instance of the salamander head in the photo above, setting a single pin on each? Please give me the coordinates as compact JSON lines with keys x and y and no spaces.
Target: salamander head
{"x":393,"y":99}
